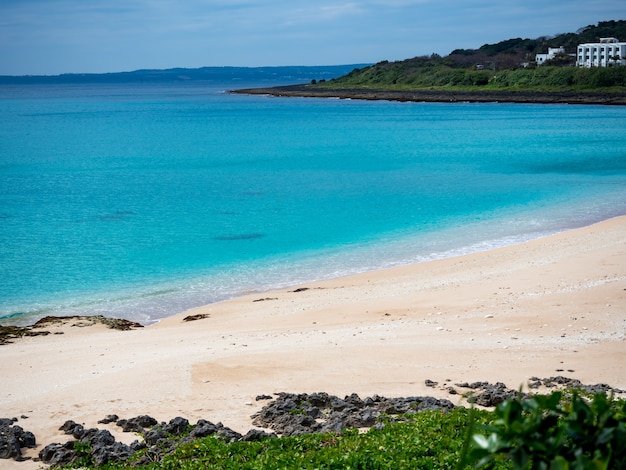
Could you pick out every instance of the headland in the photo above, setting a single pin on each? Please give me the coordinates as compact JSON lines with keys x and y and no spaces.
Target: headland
{"x":441,"y":96}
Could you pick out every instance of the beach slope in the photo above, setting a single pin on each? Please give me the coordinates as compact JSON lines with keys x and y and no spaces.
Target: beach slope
{"x":553,"y":306}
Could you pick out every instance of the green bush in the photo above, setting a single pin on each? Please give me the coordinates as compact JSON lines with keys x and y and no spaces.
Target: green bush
{"x":555,"y":432}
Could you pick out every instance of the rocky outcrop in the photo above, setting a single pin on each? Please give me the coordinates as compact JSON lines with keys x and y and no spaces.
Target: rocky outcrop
{"x":442,"y":96}
{"x":98,"y":446}
{"x":13,"y":439}
{"x":10,"y":332}
{"x":81,"y":320}
{"x":285,"y":414}
{"x":292,"y":414}
{"x":487,"y":394}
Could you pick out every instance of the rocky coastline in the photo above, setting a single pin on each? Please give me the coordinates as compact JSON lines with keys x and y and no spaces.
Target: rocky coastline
{"x":284,"y":414}
{"x":441,"y":96}
{"x":9,"y":333}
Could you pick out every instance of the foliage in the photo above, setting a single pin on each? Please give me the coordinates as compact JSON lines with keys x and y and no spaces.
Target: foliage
{"x":511,"y":52}
{"x":555,"y":432}
{"x":432,"y":440}
{"x":419,"y":74}
{"x":497,"y":66}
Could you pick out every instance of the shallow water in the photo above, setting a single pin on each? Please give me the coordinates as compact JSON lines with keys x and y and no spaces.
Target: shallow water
{"x":141,"y":201}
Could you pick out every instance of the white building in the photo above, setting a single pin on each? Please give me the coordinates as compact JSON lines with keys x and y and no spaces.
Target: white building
{"x":552,"y":53}
{"x":606,"y":53}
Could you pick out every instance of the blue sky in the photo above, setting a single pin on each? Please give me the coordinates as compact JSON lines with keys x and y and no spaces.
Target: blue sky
{"x":93,"y":36}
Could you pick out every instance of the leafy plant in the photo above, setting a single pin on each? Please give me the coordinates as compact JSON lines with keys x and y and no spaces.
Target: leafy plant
{"x":554,"y":432}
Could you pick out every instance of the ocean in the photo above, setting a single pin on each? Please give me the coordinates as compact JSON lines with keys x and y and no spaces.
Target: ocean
{"x":142,"y":200}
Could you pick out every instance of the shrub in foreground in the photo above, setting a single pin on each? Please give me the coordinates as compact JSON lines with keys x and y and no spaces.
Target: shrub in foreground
{"x":555,"y":432}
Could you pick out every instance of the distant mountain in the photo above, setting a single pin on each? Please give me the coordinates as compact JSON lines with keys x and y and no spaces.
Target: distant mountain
{"x":292,"y":74}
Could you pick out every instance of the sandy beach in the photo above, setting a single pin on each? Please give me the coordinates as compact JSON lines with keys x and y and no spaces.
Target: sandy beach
{"x":553,"y":306}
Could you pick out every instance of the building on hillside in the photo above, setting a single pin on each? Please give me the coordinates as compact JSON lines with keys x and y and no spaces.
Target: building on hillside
{"x":606,"y":53}
{"x":552,"y":53}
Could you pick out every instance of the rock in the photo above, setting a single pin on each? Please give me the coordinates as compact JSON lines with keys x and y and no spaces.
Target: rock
{"x":99,"y":438}
{"x":68,"y":426}
{"x":203,"y":428}
{"x":9,"y":446}
{"x":199,"y":316}
{"x":58,"y":454}
{"x":177,"y":426}
{"x":228,"y":434}
{"x":114,"y":452}
{"x":154,"y":436}
{"x":27,"y":439}
{"x":137,"y":445}
{"x":257,"y":435}
{"x":137,"y":424}
{"x":292,"y":414}
{"x":109,"y":419}
{"x":13,"y":438}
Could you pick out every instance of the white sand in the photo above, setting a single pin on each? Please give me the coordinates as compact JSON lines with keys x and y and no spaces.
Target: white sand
{"x":554,"y":306}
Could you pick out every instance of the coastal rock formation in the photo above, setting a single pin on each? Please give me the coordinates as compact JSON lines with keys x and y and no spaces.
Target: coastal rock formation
{"x":81,"y":320}
{"x":441,"y":96}
{"x":10,"y":332}
{"x":488,"y":395}
{"x":99,"y":447}
{"x":293,"y":414}
{"x":13,"y":438}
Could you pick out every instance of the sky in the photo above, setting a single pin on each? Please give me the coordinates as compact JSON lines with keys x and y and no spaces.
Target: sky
{"x":49,"y":37}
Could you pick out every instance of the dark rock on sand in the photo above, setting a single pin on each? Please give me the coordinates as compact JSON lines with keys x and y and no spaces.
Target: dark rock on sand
{"x":109,"y":419}
{"x":58,"y":454}
{"x":158,"y":440}
{"x":560,"y":381}
{"x":101,"y":449}
{"x":13,"y":439}
{"x":82,"y":320}
{"x":488,"y":395}
{"x":137,"y":424}
{"x":294,"y":414}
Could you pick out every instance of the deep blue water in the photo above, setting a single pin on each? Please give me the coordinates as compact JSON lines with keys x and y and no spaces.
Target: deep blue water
{"x":144,"y":200}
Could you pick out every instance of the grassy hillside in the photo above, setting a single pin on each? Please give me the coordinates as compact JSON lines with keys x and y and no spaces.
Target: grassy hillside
{"x":507,"y":65}
{"x":436,"y":74}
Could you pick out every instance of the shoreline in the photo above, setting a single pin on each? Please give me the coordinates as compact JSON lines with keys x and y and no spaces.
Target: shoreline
{"x":440,"y":96}
{"x":551,"y":306}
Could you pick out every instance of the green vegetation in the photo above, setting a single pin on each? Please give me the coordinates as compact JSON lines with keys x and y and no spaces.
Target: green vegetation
{"x":435,"y":74}
{"x":555,"y":432}
{"x":558,"y":431}
{"x":508,"y":65}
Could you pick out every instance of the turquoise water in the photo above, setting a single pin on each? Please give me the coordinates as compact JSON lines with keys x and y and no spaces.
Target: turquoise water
{"x":142,"y":201}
